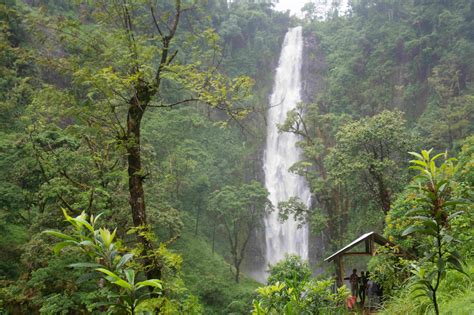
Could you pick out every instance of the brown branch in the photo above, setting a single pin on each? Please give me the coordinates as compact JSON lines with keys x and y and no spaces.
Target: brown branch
{"x":128,"y":26}
{"x":176,"y":20}
{"x":161,"y":105}
{"x":170,"y":59}
{"x":155,"y":21}
{"x":73,"y":181}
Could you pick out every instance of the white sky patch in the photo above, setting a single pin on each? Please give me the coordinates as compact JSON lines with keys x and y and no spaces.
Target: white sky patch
{"x":322,"y":6}
{"x":293,"y":5}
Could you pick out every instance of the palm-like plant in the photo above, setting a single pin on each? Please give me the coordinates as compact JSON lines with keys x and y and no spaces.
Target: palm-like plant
{"x":104,"y":252}
{"x":435,"y":209}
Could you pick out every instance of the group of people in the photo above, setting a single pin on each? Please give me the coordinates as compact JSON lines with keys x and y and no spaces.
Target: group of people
{"x":364,"y":288}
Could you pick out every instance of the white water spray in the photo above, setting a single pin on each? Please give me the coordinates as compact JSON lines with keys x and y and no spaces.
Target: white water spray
{"x":281,"y":153}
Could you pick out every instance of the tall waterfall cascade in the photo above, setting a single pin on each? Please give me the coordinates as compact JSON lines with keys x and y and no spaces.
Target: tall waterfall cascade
{"x":281,"y":153}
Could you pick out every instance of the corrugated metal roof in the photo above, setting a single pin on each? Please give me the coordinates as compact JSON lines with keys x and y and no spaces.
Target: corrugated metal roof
{"x":377,"y":238}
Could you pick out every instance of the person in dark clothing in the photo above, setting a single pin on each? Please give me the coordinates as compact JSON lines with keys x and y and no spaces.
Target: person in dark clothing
{"x":364,"y":279}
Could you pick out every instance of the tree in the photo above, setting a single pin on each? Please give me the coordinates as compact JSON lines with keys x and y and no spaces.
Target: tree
{"x":135,"y":67}
{"x":330,"y":211}
{"x":339,"y":155}
{"x":448,"y":119}
{"x":310,"y":11}
{"x":240,"y":209}
{"x":370,"y":152}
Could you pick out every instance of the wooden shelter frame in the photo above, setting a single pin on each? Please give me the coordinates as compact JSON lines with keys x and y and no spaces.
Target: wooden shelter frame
{"x":370,"y":239}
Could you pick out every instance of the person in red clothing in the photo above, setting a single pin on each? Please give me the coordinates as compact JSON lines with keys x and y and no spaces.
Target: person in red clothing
{"x":354,"y":281}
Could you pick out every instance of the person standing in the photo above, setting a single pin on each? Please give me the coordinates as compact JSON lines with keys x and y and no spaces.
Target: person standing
{"x":363,"y":287}
{"x":354,"y":281}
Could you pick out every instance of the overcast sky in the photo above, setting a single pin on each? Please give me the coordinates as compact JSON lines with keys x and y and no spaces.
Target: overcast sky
{"x":293,"y":5}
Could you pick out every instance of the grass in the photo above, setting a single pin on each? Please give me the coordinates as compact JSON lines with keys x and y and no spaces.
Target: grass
{"x":456,"y":297}
{"x":210,"y":278}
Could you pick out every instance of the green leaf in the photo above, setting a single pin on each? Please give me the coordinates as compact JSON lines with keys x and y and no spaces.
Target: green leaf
{"x":107,"y":237}
{"x":430,"y":224}
{"x":150,"y":283}
{"x":426,"y":154}
{"x":442,"y":187}
{"x":418,"y":162}
{"x":109,"y":273}
{"x":456,"y":264}
{"x":427,"y":222}
{"x":417,"y":211}
{"x":429,"y":255}
{"x":86,"y":243}
{"x":421,"y":217}
{"x":94,"y":219}
{"x":124,"y":284}
{"x":67,"y":216}
{"x":125,"y":258}
{"x":116,"y":279}
{"x":437,"y":156}
{"x":130,"y":274}
{"x":418,"y":168}
{"x":59,"y":235}
{"x":418,"y":229}
{"x":417,"y":155}
{"x":80,"y":219}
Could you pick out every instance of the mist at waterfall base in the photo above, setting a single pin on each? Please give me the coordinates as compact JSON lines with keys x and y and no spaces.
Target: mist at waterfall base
{"x":281,"y":153}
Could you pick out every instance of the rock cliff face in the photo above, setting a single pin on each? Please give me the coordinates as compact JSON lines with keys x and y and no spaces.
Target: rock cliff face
{"x":313,"y":74}
{"x":313,"y":70}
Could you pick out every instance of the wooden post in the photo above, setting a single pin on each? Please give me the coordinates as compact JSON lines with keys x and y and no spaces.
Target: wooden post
{"x":340,"y":271}
{"x":372,"y":245}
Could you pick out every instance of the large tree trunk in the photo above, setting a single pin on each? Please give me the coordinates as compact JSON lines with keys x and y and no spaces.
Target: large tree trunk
{"x":135,"y":176}
{"x":237,"y":273}
{"x":384,"y":196}
{"x":137,"y":106}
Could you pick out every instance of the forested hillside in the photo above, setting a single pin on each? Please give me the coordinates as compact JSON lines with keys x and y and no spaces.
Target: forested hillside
{"x":132,"y":141}
{"x":397,"y":78}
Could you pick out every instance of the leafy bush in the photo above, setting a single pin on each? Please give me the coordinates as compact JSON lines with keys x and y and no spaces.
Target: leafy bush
{"x":291,"y":291}
{"x":389,"y":269}
{"x":107,"y":259}
{"x":291,"y":270}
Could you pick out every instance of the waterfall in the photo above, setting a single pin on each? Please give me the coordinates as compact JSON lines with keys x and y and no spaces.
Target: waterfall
{"x":281,"y":153}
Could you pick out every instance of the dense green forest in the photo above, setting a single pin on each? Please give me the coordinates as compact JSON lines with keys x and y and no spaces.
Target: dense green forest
{"x":132,"y":136}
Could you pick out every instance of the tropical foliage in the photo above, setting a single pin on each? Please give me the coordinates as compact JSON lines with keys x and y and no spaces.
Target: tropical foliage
{"x":290,"y":290}
{"x":132,"y":135}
